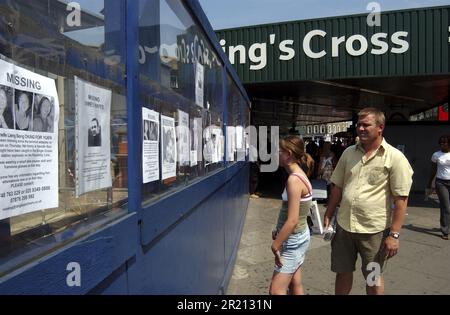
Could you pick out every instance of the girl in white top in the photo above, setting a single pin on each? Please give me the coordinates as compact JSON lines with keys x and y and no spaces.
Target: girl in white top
{"x":440,"y":167}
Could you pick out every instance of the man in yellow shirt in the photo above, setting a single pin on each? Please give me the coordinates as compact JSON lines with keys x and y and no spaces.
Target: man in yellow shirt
{"x":371,"y":181}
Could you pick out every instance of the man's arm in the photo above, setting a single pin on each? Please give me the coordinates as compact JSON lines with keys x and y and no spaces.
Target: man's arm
{"x":399,"y":213}
{"x":392,"y":245}
{"x":334,"y":200}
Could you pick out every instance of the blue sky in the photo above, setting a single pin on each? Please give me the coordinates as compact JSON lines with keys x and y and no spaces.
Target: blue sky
{"x":235,"y":13}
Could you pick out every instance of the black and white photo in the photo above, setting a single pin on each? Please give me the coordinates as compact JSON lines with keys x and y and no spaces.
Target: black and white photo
{"x":94,"y":133}
{"x":23,"y":110}
{"x":43,"y":113}
{"x":6,"y":113}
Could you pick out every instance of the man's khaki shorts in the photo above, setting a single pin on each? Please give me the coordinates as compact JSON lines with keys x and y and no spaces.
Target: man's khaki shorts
{"x":345,"y":247}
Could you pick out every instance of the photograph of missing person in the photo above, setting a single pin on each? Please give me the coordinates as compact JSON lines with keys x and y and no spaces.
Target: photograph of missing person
{"x":94,"y":133}
{"x":146,"y":135}
{"x":6,"y":113}
{"x":43,"y":113}
{"x":154,"y":135}
{"x":168,"y":145}
{"x":23,"y":109}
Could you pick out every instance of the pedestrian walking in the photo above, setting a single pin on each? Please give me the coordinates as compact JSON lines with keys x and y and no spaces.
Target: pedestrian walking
{"x":440,"y":168}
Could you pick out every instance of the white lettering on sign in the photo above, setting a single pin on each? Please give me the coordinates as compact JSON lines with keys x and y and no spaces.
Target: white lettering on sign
{"x":307,"y":44}
{"x":258,"y":54}
{"x":362,"y":42}
{"x":289,"y":51}
{"x":355,"y":45}
{"x":383,"y":47}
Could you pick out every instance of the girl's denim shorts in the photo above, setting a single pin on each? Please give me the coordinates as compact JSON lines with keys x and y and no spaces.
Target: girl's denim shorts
{"x":293,"y":252}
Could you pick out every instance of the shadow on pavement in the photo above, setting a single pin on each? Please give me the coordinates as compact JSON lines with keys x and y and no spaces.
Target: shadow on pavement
{"x":434,"y":231}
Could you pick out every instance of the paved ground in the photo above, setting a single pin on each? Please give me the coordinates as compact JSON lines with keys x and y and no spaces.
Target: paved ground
{"x":421,"y":267}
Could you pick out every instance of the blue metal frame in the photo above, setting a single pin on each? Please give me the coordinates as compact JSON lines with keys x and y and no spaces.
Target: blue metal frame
{"x":134,"y":109}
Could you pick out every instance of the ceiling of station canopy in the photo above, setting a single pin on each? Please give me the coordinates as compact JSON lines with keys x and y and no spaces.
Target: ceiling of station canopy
{"x":310,"y":102}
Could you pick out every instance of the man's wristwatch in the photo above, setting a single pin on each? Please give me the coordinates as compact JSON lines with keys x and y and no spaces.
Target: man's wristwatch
{"x":394,"y":235}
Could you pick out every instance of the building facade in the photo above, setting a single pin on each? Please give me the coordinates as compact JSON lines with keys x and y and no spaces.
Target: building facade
{"x":106,"y":187}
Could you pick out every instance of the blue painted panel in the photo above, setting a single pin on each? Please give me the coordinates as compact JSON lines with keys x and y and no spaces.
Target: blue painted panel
{"x":234,"y":219}
{"x":189,"y":259}
{"x":116,"y":283}
{"x":98,"y":255}
{"x":235,"y":212}
{"x":189,"y":256}
{"x":159,"y":216}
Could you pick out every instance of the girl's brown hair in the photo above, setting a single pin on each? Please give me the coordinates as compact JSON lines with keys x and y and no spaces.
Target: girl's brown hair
{"x":295,"y":145}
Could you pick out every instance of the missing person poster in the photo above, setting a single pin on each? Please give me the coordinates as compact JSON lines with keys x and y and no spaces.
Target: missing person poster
{"x":231,"y":146}
{"x":92,"y":123}
{"x":29,"y":114}
{"x":240,"y":143}
{"x":195,"y":141}
{"x":199,"y":88}
{"x":239,"y":138}
{"x":150,"y":146}
{"x":183,"y":138}
{"x":169,"y":148}
{"x":213,"y":148}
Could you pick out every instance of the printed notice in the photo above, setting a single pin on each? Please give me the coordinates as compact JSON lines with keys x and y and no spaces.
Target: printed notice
{"x":183,"y":138}
{"x":195,"y":140}
{"x":169,"y":147}
{"x":150,"y":146}
{"x":29,"y":114}
{"x":231,"y":145}
{"x":213,"y":148}
{"x":199,"y":88}
{"x":93,"y":151}
{"x":239,"y":138}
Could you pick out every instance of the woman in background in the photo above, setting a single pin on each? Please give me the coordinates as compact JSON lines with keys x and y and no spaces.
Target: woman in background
{"x":440,"y":167}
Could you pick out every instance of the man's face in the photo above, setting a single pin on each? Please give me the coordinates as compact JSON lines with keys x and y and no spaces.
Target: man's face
{"x":367,"y":129}
{"x":94,"y":127}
